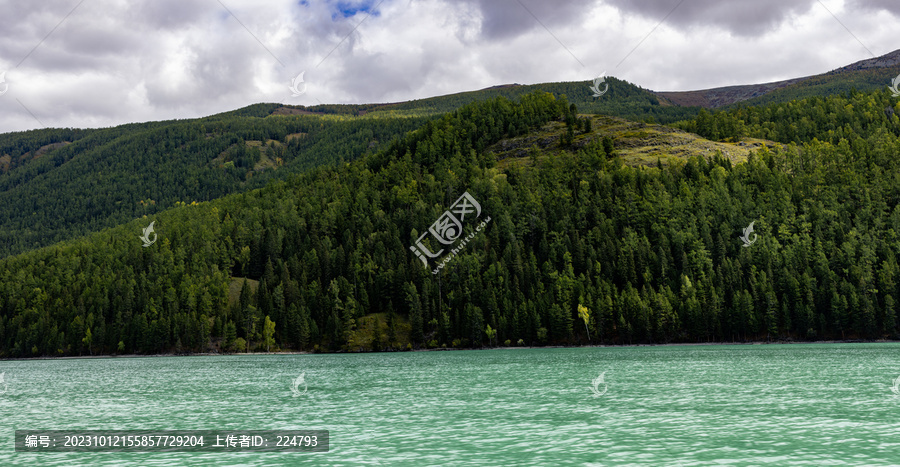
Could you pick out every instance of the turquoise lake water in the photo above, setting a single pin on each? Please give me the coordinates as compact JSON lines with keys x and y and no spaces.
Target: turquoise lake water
{"x":801,"y":404}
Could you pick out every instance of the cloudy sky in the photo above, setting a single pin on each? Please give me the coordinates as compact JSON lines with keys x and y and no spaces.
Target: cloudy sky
{"x":96,"y":63}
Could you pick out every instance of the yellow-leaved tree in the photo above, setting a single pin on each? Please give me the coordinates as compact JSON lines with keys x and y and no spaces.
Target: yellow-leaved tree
{"x":585,"y":314}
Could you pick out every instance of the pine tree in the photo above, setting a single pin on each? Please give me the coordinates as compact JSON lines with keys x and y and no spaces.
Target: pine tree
{"x":88,"y":340}
{"x":377,"y":344}
{"x":771,"y":315}
{"x":475,"y":319}
{"x":608,"y":147}
{"x":890,"y":317}
{"x":392,"y":328}
{"x":415,"y":314}
{"x":230,"y":334}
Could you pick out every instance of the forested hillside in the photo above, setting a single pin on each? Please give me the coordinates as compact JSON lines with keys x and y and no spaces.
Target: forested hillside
{"x":852,"y":78}
{"x":647,"y":255}
{"x":61,"y":184}
{"x":855,"y":117}
{"x":57,"y":184}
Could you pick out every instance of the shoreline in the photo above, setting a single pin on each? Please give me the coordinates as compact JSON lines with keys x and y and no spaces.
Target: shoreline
{"x":300,"y":352}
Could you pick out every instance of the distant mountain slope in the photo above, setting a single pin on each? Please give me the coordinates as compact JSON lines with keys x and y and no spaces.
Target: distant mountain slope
{"x":865,"y":75}
{"x":56,"y":184}
{"x":840,"y":81}
{"x":622,"y":99}
{"x":718,"y":97}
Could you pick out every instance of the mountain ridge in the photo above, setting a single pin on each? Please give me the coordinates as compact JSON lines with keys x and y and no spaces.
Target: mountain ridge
{"x":729,"y":95}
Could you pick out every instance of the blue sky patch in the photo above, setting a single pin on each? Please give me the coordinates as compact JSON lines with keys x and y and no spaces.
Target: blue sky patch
{"x":348,"y":9}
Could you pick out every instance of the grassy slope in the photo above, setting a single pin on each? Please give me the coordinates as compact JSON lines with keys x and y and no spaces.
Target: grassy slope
{"x":635,"y":143}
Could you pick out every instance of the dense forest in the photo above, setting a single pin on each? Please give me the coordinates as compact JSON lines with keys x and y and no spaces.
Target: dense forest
{"x":56,"y":184}
{"x":88,"y":180}
{"x":854,"y":117}
{"x":581,"y":248}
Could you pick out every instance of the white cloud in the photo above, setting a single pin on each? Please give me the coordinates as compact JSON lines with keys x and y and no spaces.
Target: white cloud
{"x":117,"y":61}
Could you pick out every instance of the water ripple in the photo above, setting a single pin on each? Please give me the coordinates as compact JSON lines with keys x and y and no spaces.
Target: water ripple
{"x":823,"y":404}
